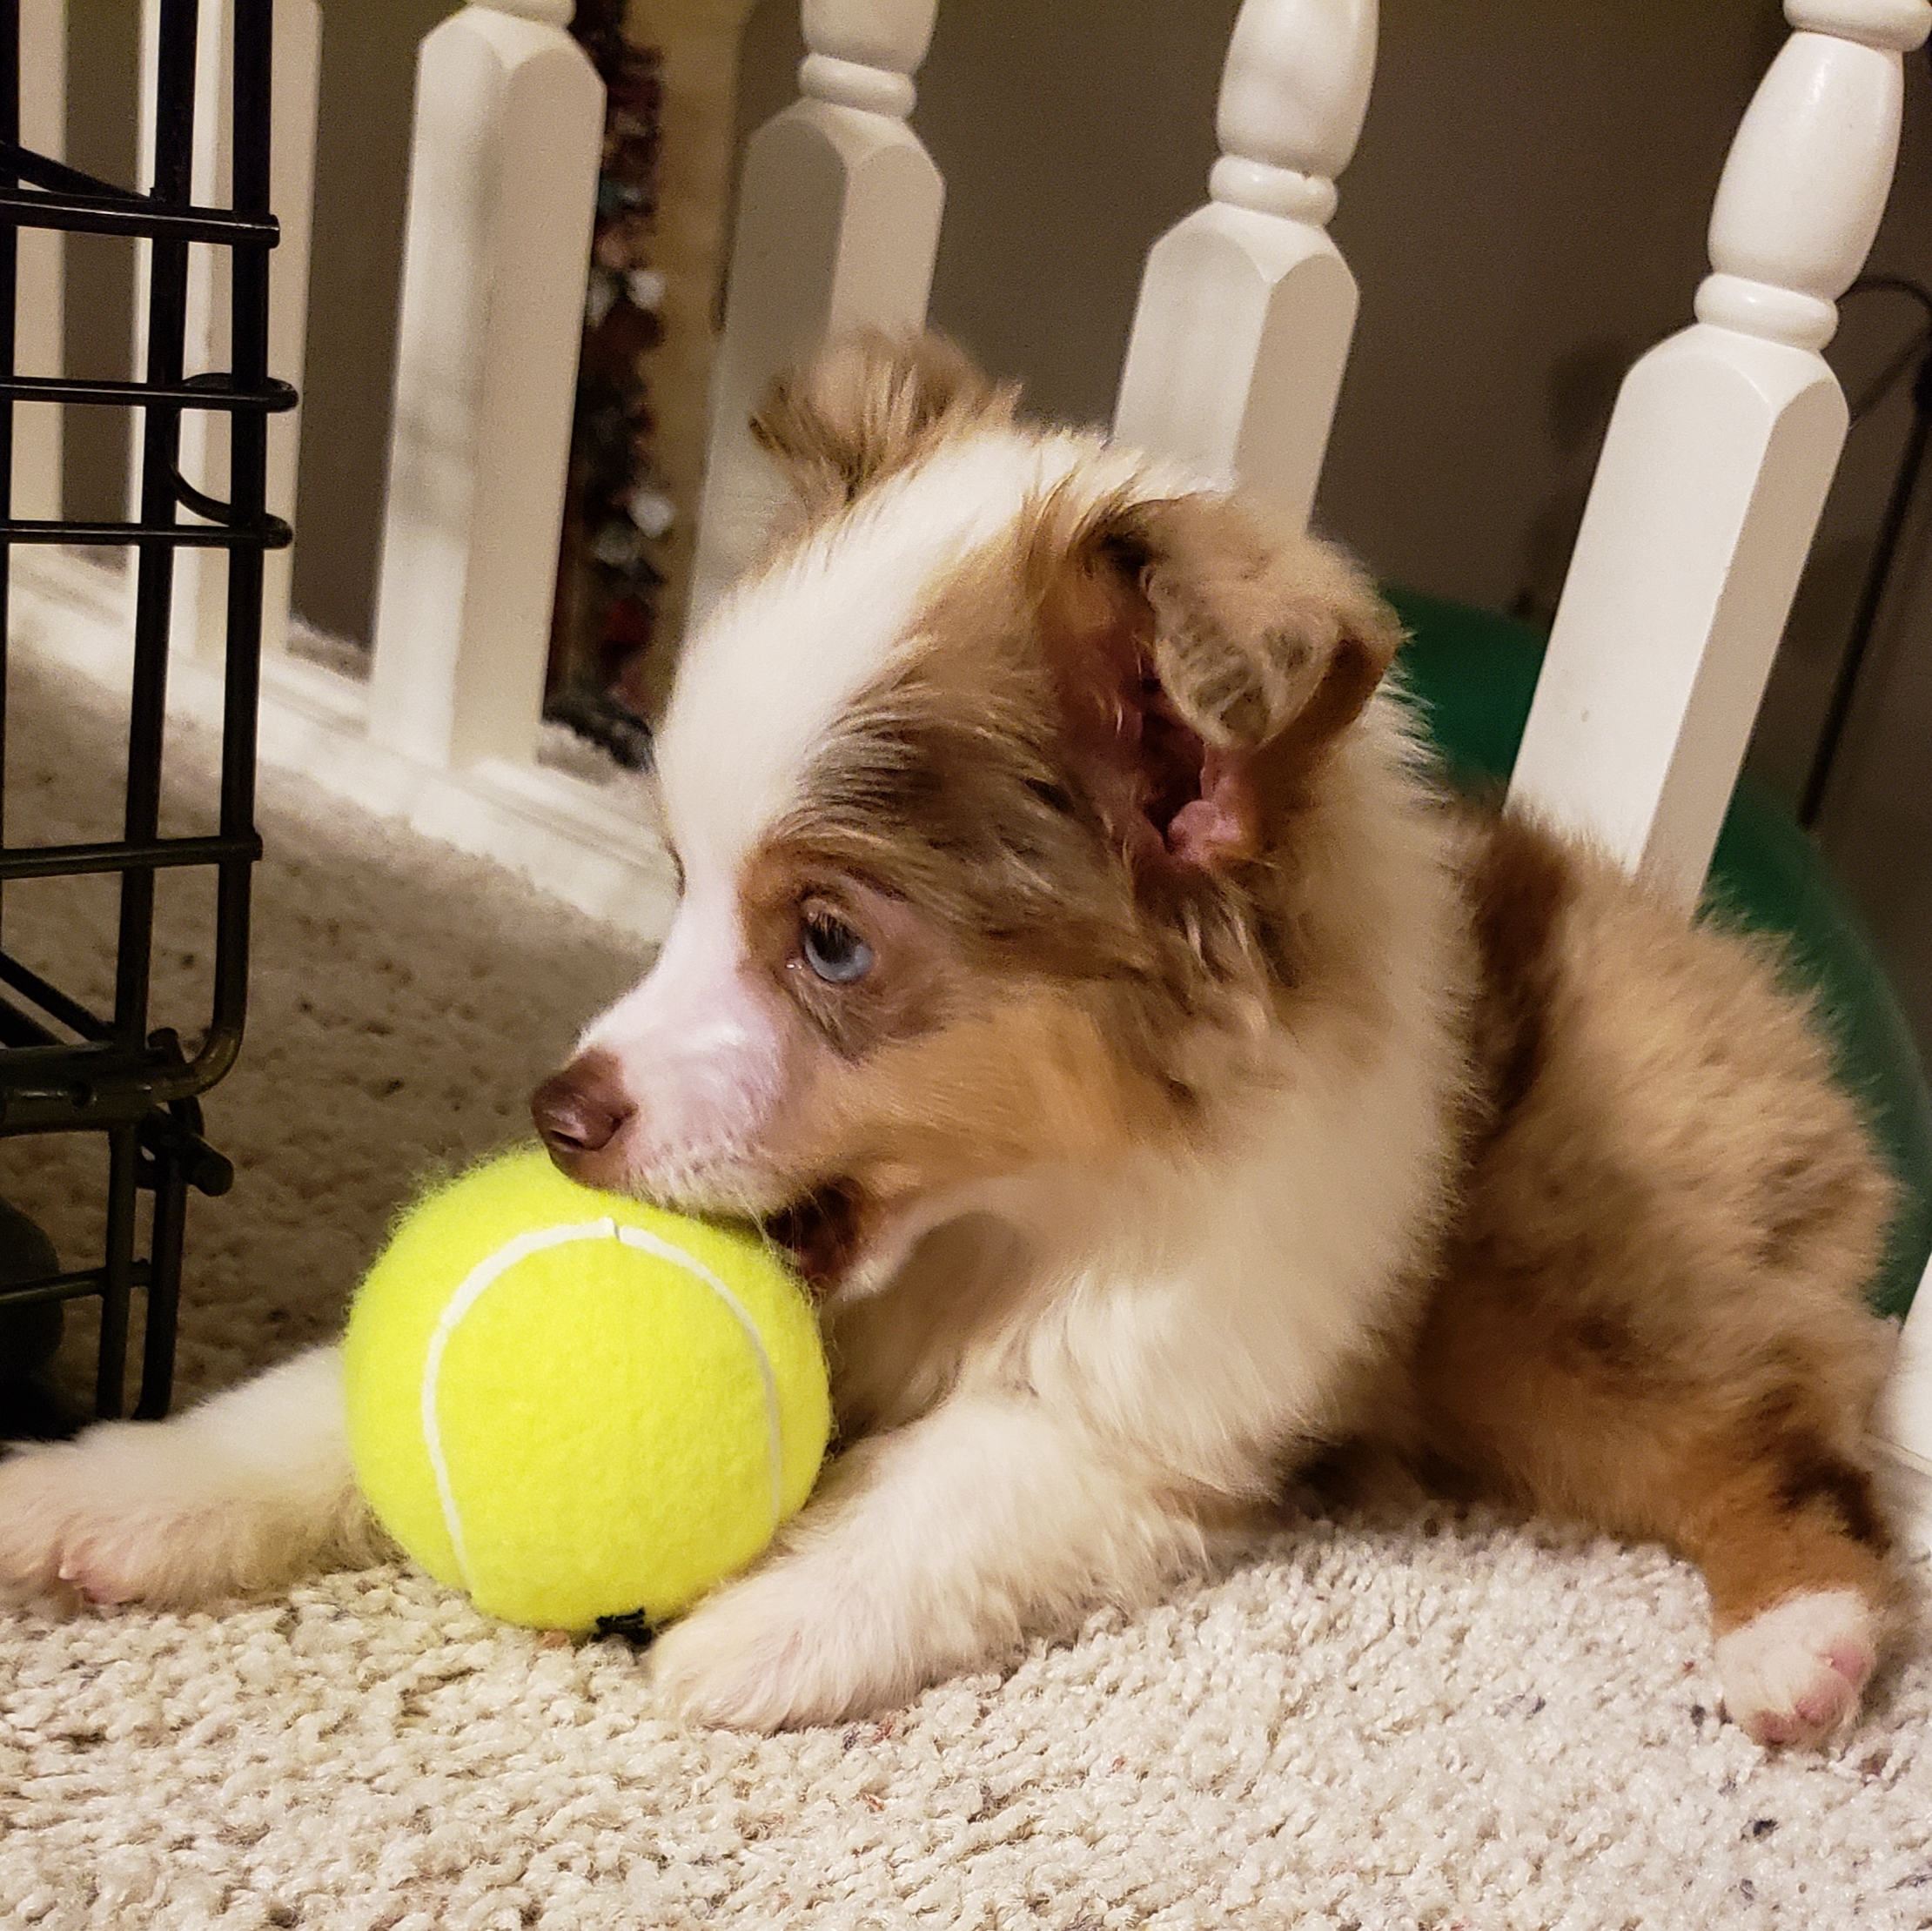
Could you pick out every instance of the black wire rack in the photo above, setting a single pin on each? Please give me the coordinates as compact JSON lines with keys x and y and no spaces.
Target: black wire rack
{"x":65,"y":1068}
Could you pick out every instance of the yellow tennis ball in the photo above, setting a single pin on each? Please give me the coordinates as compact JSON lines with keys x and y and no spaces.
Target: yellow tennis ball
{"x":575,"y":1406}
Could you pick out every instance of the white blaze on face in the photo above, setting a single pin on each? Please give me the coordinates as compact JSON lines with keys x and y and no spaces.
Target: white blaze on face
{"x":699,"y":1044}
{"x":707,"y":1046}
{"x":765,"y":679}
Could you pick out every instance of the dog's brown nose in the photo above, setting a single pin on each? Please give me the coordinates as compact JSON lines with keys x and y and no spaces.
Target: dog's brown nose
{"x":579,"y":1110}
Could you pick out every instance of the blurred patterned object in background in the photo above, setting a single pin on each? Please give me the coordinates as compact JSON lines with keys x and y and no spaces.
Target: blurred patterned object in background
{"x":619,"y":510}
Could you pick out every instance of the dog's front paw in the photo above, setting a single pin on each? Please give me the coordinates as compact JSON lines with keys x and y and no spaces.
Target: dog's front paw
{"x":774,"y":1652}
{"x":65,"y":1537}
{"x":128,"y":1512}
{"x":1794,"y":1674}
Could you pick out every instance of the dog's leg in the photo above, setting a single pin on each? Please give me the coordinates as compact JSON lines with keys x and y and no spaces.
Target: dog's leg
{"x":1791,"y":1542}
{"x":927,"y":1551}
{"x":245,"y":1492}
{"x":1756,"y":1475}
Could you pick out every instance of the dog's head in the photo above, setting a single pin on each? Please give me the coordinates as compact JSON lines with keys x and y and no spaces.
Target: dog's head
{"x":987,"y":789}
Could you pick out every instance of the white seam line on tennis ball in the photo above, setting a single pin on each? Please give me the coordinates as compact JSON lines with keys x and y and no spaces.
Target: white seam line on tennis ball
{"x":489,"y":1270}
{"x":775,"y":1437}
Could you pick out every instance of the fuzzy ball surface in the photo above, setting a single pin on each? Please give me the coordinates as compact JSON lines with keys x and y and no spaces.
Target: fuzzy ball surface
{"x":572,"y":1405}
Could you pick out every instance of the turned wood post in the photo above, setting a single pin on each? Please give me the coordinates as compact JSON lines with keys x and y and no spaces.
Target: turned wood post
{"x":838,"y":225}
{"x":1246,"y":307}
{"x":1719,"y":455}
{"x":502,"y":185}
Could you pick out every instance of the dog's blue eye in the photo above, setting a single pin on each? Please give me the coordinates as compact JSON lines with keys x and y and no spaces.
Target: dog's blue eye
{"x":833,"y":951}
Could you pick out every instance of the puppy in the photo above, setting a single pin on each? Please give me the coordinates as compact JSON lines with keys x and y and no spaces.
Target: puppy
{"x":1166,"y":1086}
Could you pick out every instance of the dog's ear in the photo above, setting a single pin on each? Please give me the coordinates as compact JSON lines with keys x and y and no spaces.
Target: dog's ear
{"x":1205,"y":666}
{"x":870,"y":403}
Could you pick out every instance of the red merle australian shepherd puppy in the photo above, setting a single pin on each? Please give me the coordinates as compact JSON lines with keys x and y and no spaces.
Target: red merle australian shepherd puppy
{"x":1167,"y":1087}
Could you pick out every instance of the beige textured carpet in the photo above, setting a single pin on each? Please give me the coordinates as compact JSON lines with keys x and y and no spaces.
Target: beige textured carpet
{"x":1439,"y":1724}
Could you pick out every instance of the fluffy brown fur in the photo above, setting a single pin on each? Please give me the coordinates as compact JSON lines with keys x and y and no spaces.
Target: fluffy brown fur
{"x":1647,"y":1313}
{"x":859,"y":417}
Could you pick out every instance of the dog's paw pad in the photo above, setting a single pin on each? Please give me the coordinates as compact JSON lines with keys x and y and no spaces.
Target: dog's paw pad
{"x":41,"y":1565}
{"x":776,"y":1650}
{"x":1794,"y":1674}
{"x":103,"y":1578}
{"x":101,"y":1520}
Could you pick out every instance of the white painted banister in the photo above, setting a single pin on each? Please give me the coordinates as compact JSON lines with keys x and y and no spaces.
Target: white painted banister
{"x":40,"y":306}
{"x":502,"y":188}
{"x":200,"y":576}
{"x":1905,"y":1416}
{"x":838,"y":226}
{"x":1246,"y":307}
{"x":1719,"y":455}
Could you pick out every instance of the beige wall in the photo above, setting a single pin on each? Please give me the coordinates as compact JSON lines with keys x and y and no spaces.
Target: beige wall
{"x":1877,"y":821}
{"x":361,"y":183}
{"x":106,"y":39}
{"x":1525,"y":212}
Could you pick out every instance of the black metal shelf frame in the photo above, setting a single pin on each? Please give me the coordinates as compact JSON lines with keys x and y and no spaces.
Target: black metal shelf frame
{"x":64,"y":1068}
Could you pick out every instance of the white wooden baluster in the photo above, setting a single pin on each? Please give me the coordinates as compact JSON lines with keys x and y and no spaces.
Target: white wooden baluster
{"x":1905,"y":1416}
{"x":1246,"y":306}
{"x":39,"y":307}
{"x":1719,"y":455}
{"x":838,"y":225}
{"x":502,"y":187}
{"x":201,"y":576}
